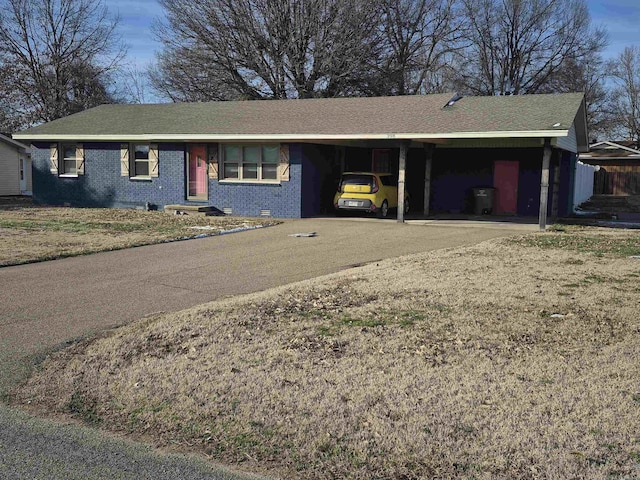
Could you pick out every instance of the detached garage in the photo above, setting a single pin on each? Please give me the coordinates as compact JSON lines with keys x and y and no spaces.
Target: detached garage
{"x":283,"y":158}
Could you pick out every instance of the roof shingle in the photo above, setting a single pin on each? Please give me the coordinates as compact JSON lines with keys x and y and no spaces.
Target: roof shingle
{"x":415,"y":115}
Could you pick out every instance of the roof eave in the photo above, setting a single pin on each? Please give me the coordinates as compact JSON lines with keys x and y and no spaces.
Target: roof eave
{"x":13,"y":142}
{"x":289,"y":137}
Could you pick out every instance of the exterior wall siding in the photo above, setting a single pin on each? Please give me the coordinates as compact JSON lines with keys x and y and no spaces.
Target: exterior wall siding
{"x":9,"y":170}
{"x":103,"y":186}
{"x":570,"y":142}
{"x":283,"y":200}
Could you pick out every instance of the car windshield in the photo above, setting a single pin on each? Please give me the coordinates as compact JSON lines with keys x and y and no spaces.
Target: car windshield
{"x":358,"y":179}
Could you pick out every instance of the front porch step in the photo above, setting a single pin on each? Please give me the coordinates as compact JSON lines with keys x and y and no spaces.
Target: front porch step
{"x":200,"y":210}
{"x":612,"y":204}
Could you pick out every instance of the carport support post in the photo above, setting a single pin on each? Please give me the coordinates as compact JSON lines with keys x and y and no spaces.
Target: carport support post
{"x":402,"y":165}
{"x":544,"y":184}
{"x":428,"y":158}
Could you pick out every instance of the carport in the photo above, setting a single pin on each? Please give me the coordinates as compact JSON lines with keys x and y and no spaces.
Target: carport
{"x":528,"y":162}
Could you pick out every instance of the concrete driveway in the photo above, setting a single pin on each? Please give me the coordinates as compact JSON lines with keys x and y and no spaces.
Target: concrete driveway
{"x":47,"y":304}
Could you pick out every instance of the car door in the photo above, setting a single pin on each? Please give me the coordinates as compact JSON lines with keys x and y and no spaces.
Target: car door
{"x":390,"y":185}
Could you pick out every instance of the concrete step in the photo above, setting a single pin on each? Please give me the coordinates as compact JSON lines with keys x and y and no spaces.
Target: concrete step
{"x":612,"y":204}
{"x":201,"y":210}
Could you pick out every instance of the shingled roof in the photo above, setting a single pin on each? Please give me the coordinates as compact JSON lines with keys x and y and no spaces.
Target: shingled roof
{"x":406,"y":117}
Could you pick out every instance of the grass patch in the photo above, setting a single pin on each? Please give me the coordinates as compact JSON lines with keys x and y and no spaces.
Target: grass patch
{"x":597,"y":241}
{"x":463,"y":363}
{"x":84,"y":408}
{"x":31,"y":233}
{"x":373,"y":320}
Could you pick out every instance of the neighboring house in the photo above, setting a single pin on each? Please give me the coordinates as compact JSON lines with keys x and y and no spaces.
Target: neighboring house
{"x":619,"y":172}
{"x":283,"y":158}
{"x":15,"y":165}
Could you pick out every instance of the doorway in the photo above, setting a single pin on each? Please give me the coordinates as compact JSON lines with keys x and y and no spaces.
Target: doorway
{"x":197,"y":173}
{"x":505,"y":181}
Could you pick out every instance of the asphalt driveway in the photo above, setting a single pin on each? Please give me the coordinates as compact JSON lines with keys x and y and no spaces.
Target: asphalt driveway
{"x":44,"y":305}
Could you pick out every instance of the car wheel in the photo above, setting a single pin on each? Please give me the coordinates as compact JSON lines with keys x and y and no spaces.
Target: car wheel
{"x":384,"y":209}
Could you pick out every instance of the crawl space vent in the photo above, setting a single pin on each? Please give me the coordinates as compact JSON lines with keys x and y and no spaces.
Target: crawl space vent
{"x":227,"y":210}
{"x":265,"y":213}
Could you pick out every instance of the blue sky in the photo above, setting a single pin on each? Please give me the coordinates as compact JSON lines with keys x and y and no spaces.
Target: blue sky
{"x":620,"y":17}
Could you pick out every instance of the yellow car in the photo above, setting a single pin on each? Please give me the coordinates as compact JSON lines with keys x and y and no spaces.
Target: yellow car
{"x":368,"y":192}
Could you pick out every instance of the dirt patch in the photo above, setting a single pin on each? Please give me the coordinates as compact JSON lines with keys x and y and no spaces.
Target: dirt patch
{"x":31,"y":233}
{"x":515,"y":358}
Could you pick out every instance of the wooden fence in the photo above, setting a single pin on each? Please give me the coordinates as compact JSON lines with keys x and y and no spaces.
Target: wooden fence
{"x":616,"y":183}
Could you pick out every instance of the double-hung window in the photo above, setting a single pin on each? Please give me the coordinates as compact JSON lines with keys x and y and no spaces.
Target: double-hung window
{"x":250,"y":162}
{"x":140,"y":160}
{"x":69,"y":159}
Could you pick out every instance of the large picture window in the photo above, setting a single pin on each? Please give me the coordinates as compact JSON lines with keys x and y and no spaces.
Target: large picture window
{"x":250,"y":162}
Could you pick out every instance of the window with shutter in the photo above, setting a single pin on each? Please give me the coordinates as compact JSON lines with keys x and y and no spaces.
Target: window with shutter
{"x":69,"y":159}
{"x":139,"y":160}
{"x":250,"y":163}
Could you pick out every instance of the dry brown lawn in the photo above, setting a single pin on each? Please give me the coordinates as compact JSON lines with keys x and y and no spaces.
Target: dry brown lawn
{"x":31,"y":233}
{"x":516,"y":358}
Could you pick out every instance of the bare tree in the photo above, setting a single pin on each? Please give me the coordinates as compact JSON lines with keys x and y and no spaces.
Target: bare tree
{"x":9,"y":98}
{"x":419,"y":35}
{"x":587,"y":75}
{"x":134,"y":84}
{"x":625,"y":97}
{"x":222,"y":49}
{"x":57,"y":55}
{"x":517,"y":46}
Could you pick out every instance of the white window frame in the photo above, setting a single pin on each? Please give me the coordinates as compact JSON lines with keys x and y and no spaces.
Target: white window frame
{"x":133,"y":161}
{"x":241,"y":162}
{"x":62,"y":160}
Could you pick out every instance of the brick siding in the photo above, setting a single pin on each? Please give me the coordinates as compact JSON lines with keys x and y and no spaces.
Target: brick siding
{"x":103,"y":186}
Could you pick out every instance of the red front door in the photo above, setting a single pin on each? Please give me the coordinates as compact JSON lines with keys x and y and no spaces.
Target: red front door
{"x":197,"y":186}
{"x":505,"y":181}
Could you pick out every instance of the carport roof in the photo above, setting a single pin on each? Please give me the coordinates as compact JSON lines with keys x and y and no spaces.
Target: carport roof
{"x":419,"y":117}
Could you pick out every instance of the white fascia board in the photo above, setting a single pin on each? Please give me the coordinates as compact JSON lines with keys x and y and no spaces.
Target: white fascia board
{"x":294,"y":137}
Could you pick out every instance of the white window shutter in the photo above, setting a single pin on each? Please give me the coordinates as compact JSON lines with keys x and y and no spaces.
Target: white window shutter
{"x":154,"y":160}
{"x":283,"y":166}
{"x":53,"y":159}
{"x":79,"y":159}
{"x":213,"y":163}
{"x":124,"y":159}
